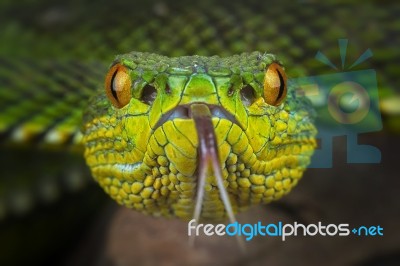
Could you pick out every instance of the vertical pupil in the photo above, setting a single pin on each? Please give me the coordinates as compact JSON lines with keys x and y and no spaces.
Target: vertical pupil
{"x":113,"y":86}
{"x":282,"y":85}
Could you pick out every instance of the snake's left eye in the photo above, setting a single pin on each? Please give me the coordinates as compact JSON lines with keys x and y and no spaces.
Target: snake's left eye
{"x":275,"y":85}
{"x":118,"y":85}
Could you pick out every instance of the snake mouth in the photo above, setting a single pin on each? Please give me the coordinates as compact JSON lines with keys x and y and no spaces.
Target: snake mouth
{"x":208,"y":158}
{"x":208,"y":155}
{"x":185,"y":112}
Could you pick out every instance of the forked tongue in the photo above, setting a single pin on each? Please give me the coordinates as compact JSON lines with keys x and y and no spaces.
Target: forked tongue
{"x":208,"y":157}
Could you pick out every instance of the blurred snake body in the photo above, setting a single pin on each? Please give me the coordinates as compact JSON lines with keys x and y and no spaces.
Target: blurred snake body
{"x":197,"y":137}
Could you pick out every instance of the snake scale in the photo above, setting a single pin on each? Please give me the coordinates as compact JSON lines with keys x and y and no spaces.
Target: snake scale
{"x":54,"y":57}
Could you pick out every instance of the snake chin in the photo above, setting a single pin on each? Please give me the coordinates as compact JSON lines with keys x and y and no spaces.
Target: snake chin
{"x":184,"y":112}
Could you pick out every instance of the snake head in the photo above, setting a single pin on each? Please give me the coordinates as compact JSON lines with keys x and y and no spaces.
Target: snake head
{"x":143,"y":134}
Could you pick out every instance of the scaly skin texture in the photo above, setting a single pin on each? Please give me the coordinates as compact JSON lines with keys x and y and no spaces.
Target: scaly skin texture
{"x":151,"y":166}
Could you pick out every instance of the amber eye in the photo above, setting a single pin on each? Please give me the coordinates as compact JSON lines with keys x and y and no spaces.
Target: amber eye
{"x":275,"y":85}
{"x":118,"y":85}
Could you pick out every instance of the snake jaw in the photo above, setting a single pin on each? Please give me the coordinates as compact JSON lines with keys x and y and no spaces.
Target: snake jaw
{"x":185,"y":112}
{"x":208,"y":155}
{"x":202,"y":114}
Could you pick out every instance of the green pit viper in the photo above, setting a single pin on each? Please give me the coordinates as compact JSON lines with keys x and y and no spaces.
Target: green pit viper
{"x":197,"y":137}
{"x":142,"y":143}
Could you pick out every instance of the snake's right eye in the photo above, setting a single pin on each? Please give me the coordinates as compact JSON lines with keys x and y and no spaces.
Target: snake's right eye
{"x":275,"y":88}
{"x":118,"y":85}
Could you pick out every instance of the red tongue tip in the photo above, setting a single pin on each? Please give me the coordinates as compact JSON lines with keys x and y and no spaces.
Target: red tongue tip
{"x":208,"y":156}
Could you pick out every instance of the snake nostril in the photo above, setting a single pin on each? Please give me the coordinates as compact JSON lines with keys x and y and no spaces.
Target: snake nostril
{"x":247,"y":95}
{"x":167,"y":89}
{"x":149,"y":94}
{"x":231,"y":91}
